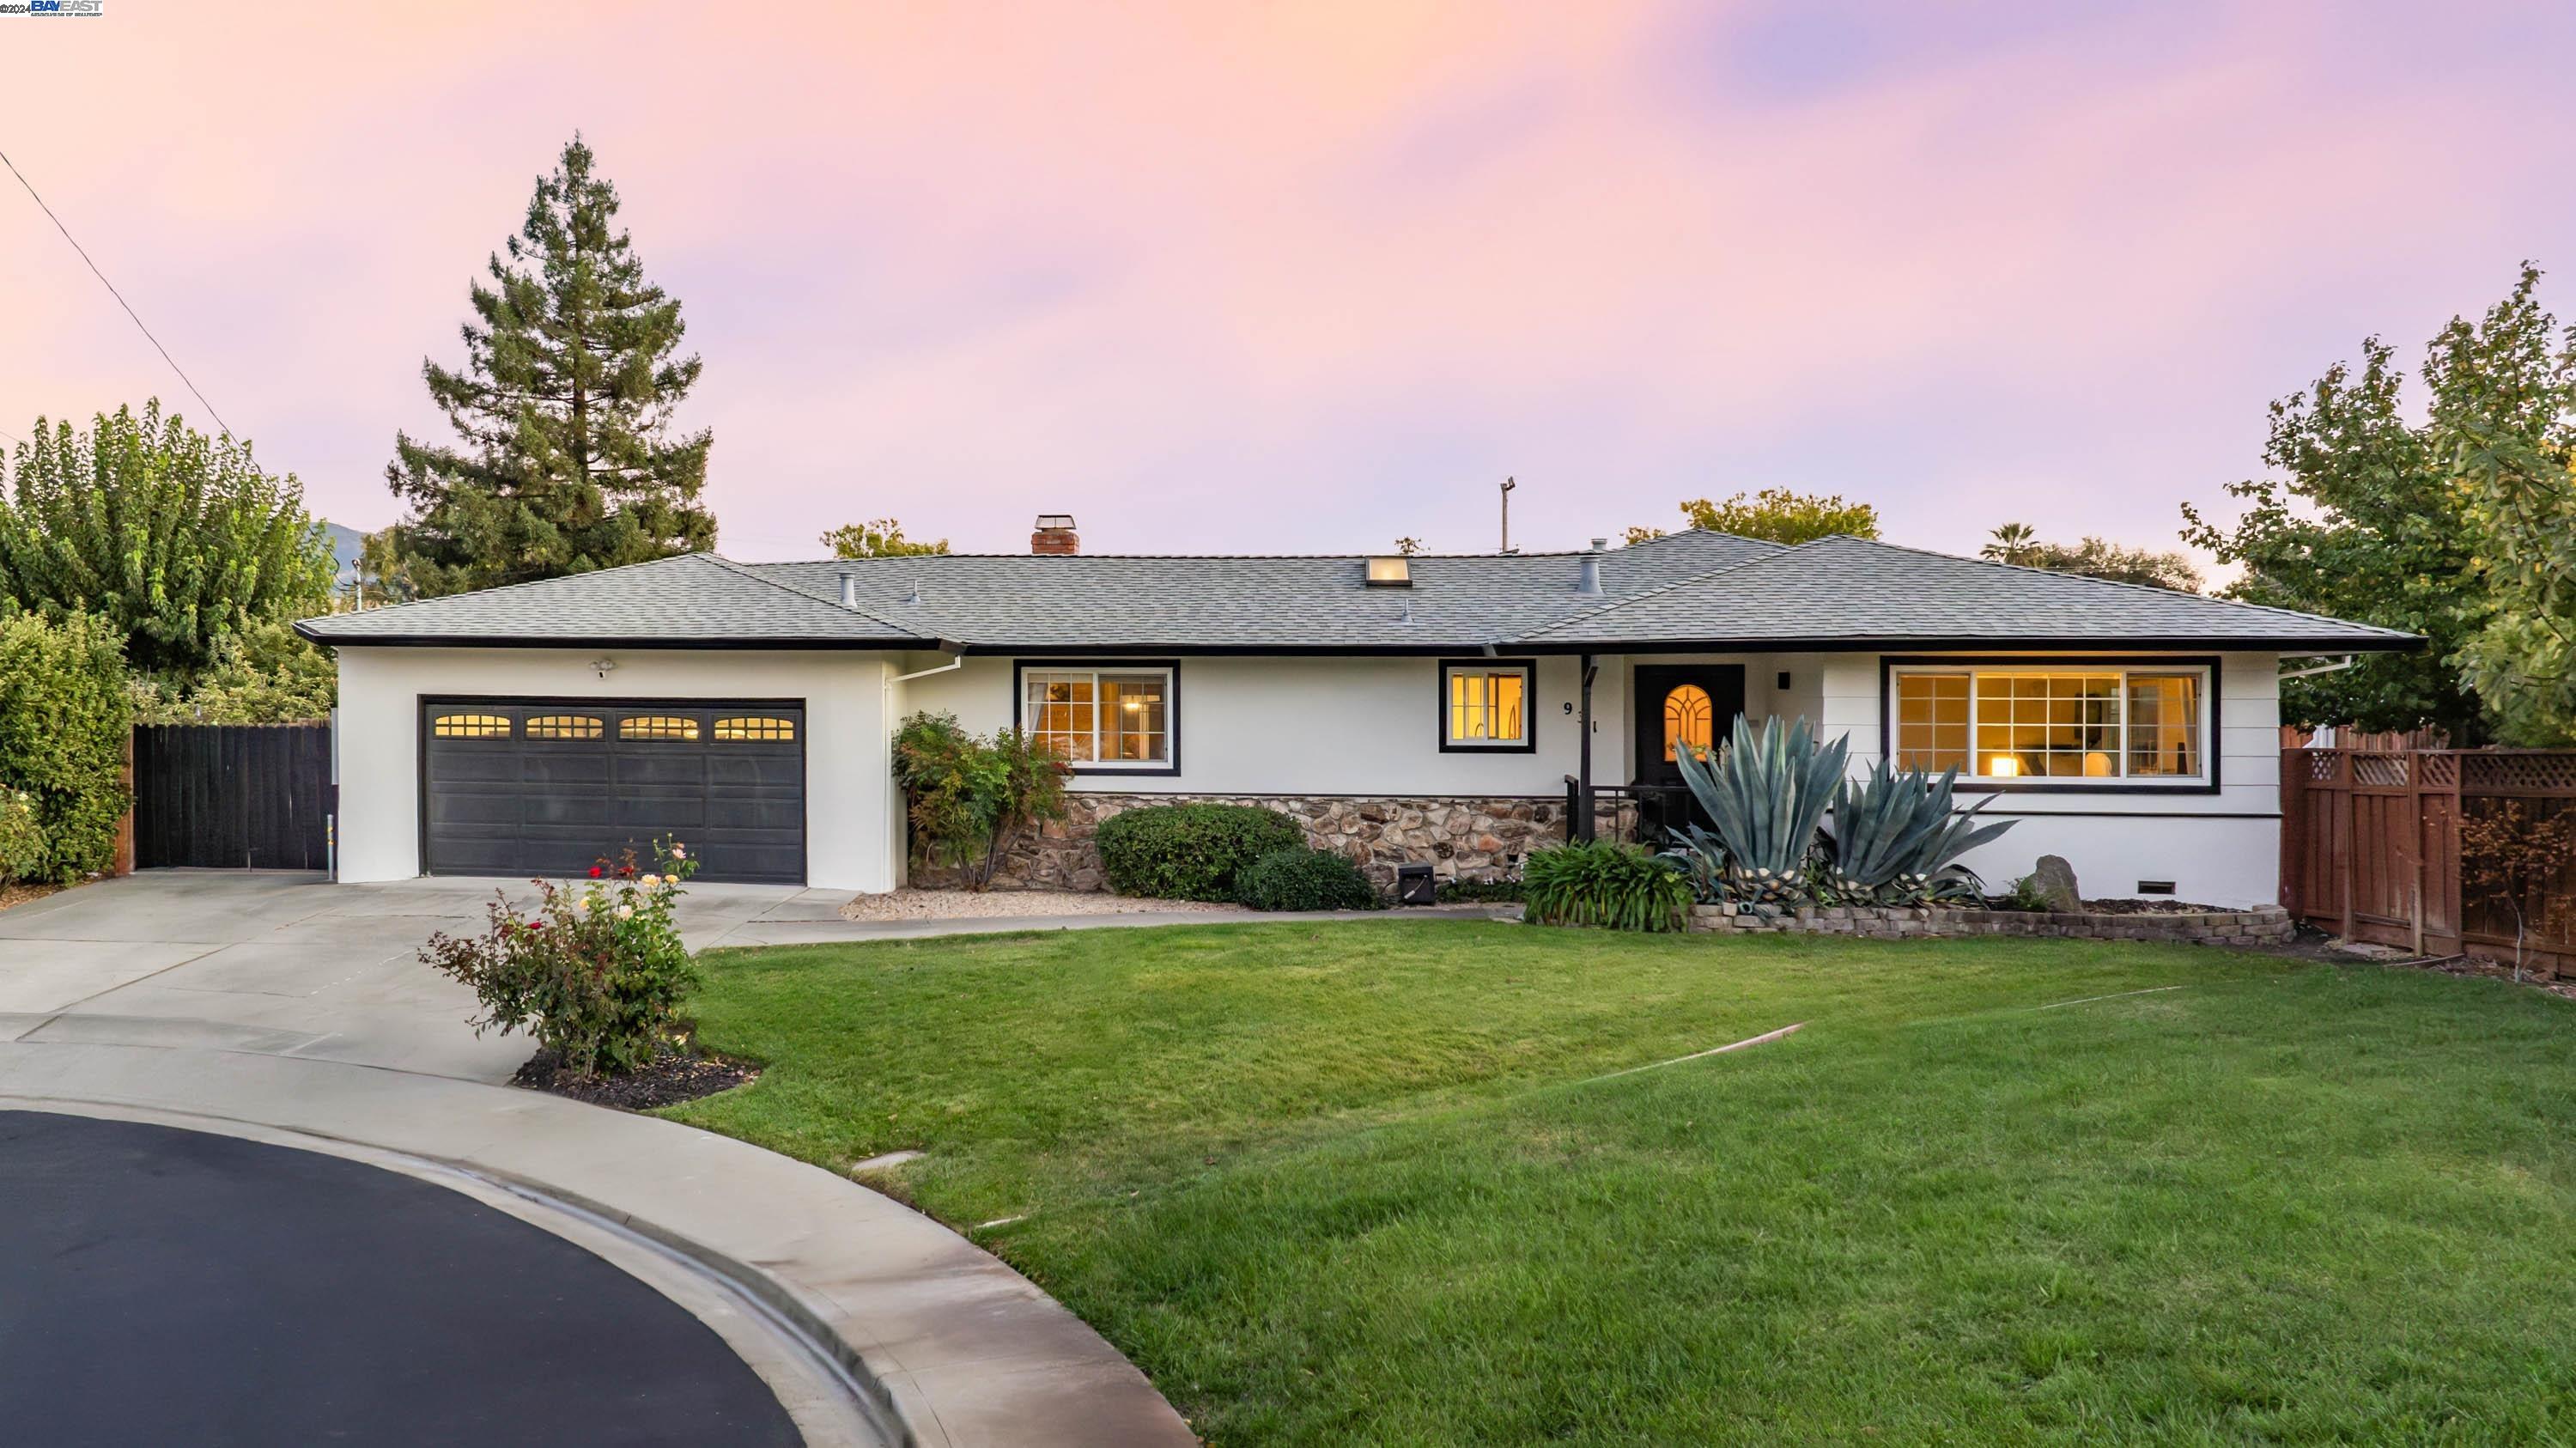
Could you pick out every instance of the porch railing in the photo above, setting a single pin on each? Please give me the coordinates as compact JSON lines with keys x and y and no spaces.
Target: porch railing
{"x":1637,"y":813}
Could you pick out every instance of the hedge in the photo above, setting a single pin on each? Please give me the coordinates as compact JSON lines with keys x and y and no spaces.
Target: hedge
{"x":1304,"y":879}
{"x":64,"y":717}
{"x":1190,"y":851}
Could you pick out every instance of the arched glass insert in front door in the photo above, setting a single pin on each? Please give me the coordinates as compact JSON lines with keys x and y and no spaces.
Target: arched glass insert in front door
{"x":1689,"y":718}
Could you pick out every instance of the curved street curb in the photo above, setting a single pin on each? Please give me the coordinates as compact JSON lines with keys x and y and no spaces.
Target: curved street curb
{"x":960,"y":1350}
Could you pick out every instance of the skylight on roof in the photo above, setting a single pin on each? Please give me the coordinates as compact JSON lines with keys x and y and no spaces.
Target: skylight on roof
{"x":1390,"y":570}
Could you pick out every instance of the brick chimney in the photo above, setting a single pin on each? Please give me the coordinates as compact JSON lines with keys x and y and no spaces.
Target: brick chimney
{"x":1055,"y":536}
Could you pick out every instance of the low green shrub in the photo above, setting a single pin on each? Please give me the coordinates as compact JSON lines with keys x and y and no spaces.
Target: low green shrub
{"x":64,"y":717}
{"x":1480,"y":892}
{"x":1605,"y":883}
{"x":22,"y":837}
{"x":596,"y":974}
{"x":1302,"y":879}
{"x":1190,"y":851}
{"x":2025,"y":894}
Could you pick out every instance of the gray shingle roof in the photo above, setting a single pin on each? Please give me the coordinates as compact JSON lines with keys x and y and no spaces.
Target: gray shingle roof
{"x":693,"y":600}
{"x":1100,"y":602}
{"x":1847,"y":590}
{"x":1689,"y":589}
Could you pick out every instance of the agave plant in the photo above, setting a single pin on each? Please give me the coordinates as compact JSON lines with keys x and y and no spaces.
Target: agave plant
{"x":1764,"y":795}
{"x":1897,"y":840}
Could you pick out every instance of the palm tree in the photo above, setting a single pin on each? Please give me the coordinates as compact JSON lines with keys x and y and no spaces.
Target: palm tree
{"x":2014,"y":543}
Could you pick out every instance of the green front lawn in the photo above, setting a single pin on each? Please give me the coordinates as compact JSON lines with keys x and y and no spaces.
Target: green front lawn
{"x":1353,"y":1183}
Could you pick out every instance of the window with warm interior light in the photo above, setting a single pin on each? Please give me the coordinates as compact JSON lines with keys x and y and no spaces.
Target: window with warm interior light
{"x":565,"y":726}
{"x":658,"y":726}
{"x":1101,"y":718}
{"x":470,"y":726}
{"x":1486,"y":705}
{"x":1690,"y":718}
{"x":2075,"y":724}
{"x":749,"y":728}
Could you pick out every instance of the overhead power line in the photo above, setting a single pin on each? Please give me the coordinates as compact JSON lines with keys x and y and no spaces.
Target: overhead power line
{"x":113,"y":292}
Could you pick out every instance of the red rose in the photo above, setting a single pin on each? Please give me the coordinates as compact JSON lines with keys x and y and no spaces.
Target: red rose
{"x":594,"y":872}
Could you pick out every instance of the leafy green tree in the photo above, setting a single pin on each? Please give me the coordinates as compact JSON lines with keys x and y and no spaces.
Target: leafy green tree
{"x":2094,"y":558}
{"x":266,"y":674}
{"x":2359,"y":524}
{"x":173,"y":537}
{"x":877,"y":538}
{"x":2504,"y":428}
{"x":567,"y":459}
{"x":63,"y":723}
{"x":1782,"y":516}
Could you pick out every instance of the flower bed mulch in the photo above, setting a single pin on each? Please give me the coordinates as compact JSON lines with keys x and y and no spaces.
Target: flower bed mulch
{"x":20,"y":892}
{"x":2153,"y":907}
{"x":674,"y":1075}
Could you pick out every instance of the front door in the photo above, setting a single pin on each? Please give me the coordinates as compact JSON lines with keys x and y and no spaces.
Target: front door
{"x":1677,"y":704}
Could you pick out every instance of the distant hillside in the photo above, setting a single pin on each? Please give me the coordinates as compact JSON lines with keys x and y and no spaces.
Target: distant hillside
{"x":345,"y":543}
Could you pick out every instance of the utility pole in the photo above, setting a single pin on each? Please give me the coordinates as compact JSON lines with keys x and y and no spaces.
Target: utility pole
{"x":1508,"y":485}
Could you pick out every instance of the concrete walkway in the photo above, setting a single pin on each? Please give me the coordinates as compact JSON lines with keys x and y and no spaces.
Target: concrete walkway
{"x":284,"y":1003}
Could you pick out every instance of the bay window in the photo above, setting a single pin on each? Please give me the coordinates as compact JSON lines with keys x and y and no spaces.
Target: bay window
{"x":1487,"y":704}
{"x":2055,"y":724}
{"x":1103,"y":718}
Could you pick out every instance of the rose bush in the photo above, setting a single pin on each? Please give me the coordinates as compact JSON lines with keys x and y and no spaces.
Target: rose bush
{"x":596,"y":973}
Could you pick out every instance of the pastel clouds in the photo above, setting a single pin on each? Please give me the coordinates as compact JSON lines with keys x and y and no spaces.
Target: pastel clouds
{"x":1310,"y":277}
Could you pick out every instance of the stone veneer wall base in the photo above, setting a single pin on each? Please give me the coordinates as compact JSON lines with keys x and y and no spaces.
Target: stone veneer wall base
{"x":2263,"y":925}
{"x":1460,"y":838}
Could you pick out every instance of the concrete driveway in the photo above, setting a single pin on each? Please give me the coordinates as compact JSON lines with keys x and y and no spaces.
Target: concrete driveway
{"x":284,"y":1007}
{"x":293,"y":965}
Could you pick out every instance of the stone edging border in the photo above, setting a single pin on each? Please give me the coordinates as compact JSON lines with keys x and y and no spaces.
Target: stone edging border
{"x":2262,"y":925}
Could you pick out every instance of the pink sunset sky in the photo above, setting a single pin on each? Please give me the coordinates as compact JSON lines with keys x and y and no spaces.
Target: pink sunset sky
{"x":1303,"y":277}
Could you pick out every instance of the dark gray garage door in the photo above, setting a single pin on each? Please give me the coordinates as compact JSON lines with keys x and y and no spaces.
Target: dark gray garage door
{"x":547,"y":787}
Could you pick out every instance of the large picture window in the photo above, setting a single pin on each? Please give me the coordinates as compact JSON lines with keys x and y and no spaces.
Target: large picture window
{"x":1105,"y":718}
{"x":2071,"y":724}
{"x":1488,"y":704}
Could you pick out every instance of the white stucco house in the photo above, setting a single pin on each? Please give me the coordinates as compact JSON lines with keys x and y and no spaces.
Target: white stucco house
{"x":748,"y":707}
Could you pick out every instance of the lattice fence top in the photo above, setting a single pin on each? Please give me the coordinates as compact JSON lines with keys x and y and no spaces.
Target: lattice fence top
{"x":2537,"y":771}
{"x":2548,"y":773}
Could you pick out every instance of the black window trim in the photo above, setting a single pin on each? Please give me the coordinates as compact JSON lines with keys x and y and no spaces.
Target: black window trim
{"x":1529,"y":705}
{"x":1171,"y":710}
{"x":2215,"y":745}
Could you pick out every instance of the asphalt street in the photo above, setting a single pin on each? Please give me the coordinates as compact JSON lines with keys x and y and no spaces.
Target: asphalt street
{"x":159,"y":1285}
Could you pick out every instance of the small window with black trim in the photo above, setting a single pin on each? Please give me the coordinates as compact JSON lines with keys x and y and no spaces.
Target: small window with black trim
{"x":1488,"y":704}
{"x":470,"y":726}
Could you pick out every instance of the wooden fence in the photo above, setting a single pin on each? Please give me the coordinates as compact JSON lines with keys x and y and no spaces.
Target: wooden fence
{"x":232,"y":796}
{"x":2371,"y":848}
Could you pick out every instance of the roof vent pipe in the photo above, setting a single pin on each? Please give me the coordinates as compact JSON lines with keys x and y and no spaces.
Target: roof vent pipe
{"x":849,"y":589}
{"x":1591,"y":579}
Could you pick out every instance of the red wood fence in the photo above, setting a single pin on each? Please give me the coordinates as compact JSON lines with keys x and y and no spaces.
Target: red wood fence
{"x":2370,"y":848}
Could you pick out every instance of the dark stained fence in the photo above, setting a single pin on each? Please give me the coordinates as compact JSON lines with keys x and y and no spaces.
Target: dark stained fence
{"x":232,"y":796}
{"x":2371,"y":849}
